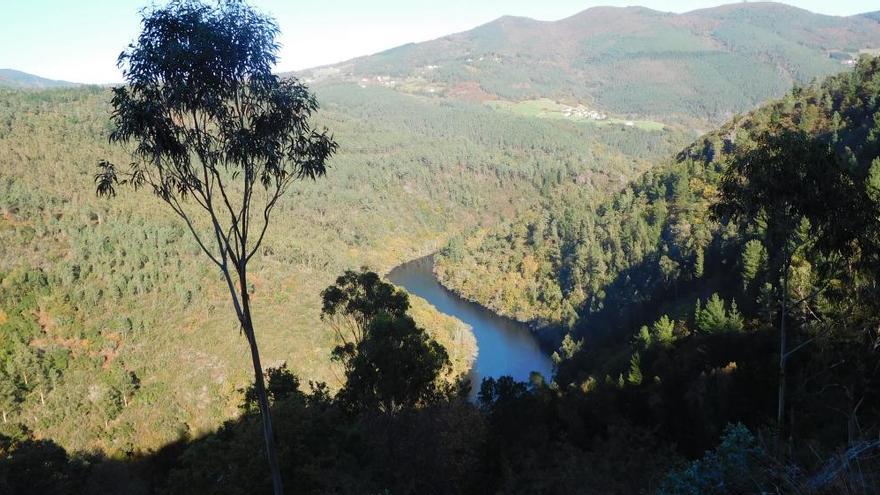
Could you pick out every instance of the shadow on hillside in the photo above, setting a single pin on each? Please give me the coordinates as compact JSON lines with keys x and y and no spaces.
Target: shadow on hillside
{"x":322,"y":449}
{"x":607,"y":437}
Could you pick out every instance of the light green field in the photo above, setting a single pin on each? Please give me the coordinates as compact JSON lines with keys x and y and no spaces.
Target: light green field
{"x":546,"y":108}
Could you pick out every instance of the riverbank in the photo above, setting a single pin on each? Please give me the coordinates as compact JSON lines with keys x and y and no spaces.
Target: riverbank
{"x":505,"y":346}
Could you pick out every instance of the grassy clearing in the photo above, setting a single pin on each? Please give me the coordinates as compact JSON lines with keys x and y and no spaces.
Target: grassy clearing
{"x":546,"y":108}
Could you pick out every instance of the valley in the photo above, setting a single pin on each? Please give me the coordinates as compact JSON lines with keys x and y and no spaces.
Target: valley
{"x":452,"y":165}
{"x":665,"y":215}
{"x":504,"y":347}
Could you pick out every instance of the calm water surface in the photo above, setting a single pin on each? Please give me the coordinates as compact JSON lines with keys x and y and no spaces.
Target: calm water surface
{"x":506,"y":347}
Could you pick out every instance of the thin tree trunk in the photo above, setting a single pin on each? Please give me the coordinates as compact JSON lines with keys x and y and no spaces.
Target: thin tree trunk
{"x":268,"y":434}
{"x":780,"y":413}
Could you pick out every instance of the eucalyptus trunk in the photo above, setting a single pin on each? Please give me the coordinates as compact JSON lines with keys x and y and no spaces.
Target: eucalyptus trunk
{"x":260,"y":386}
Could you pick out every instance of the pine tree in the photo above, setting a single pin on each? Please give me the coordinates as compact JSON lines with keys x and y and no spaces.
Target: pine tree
{"x":634,"y":377}
{"x":663,"y":330}
{"x":713,"y":318}
{"x":754,"y":260}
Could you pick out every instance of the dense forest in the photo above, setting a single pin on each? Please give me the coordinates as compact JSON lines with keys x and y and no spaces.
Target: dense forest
{"x":711,"y":307}
{"x":102,"y":296}
{"x":670,"y":294}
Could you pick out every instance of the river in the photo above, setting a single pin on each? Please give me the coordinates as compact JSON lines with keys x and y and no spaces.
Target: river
{"x":506,"y":347}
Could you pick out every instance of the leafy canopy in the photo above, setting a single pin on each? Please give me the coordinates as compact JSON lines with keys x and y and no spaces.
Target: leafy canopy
{"x":780,"y":176}
{"x":208,"y":119}
{"x":357,"y":298}
{"x":390,"y":363}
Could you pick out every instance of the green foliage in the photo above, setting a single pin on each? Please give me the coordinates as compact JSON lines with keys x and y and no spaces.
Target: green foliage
{"x":218,"y":137}
{"x":634,"y":377}
{"x":780,"y":179}
{"x":663,"y":330}
{"x":281,"y":384}
{"x":644,"y":338}
{"x":93,"y":310}
{"x":803,"y":165}
{"x":568,"y":348}
{"x":395,"y":367}
{"x":737,"y":465}
{"x":754,"y":260}
{"x":454,"y":249}
{"x":697,"y":66}
{"x":716,"y":318}
{"x":873,"y":181}
{"x":391,"y":364}
{"x":124,"y":280}
{"x":650,"y":243}
{"x":352,"y":304}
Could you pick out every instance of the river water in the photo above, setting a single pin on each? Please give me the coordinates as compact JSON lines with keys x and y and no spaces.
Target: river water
{"x":506,"y":347}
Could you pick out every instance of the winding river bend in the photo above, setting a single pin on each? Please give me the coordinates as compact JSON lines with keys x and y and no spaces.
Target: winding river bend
{"x":506,"y":347}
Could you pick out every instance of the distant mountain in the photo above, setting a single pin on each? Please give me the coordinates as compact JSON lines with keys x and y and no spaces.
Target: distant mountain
{"x":17,"y":79}
{"x":706,"y":64}
{"x":872,"y":15}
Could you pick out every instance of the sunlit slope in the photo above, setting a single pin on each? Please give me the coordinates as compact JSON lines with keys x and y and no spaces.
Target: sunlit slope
{"x":122,"y":331}
{"x":698,"y":66}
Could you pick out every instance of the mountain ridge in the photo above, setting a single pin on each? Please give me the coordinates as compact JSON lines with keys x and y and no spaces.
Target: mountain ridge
{"x":19,"y":79}
{"x":704,"y":65}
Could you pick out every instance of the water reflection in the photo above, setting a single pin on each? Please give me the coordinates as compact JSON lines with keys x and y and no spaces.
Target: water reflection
{"x":506,"y":347}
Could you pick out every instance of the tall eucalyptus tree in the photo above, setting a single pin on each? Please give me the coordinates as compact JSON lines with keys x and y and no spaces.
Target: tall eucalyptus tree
{"x":216,"y":136}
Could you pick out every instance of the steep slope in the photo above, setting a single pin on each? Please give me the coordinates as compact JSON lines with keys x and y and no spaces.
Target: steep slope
{"x":122,"y":335}
{"x":682,"y":357}
{"x":672,"y":310}
{"x":592,"y":264}
{"x":702,"y":65}
{"x":17,"y":79}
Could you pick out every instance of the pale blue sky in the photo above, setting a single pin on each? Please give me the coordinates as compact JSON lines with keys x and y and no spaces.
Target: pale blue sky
{"x":79,"y":40}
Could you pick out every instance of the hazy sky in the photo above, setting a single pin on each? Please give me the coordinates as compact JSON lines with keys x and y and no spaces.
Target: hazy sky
{"x":79,"y":40}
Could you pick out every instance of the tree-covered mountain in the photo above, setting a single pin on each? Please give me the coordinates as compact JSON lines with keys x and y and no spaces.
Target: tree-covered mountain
{"x":541,"y":161}
{"x":673,"y":307}
{"x":667,"y":381}
{"x":115,"y":319}
{"x":601,"y":269}
{"x":581,"y":256}
{"x":702,"y":65}
{"x":16,"y":79}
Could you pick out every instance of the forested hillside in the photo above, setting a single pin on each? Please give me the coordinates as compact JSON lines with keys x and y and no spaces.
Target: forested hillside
{"x":563,"y":261}
{"x":109,"y":314}
{"x":672,"y":291}
{"x":695,"y":67}
{"x":710,"y":302}
{"x":669,"y":379}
